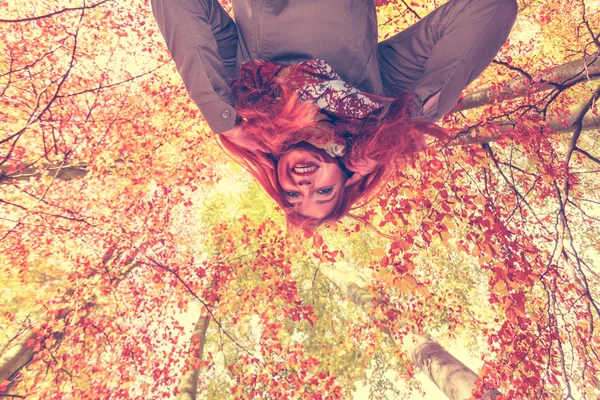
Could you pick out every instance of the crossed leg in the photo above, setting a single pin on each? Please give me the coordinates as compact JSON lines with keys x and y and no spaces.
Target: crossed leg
{"x":437,"y":57}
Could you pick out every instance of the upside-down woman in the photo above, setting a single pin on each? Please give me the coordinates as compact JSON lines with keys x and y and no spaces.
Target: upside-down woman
{"x":304,"y":96}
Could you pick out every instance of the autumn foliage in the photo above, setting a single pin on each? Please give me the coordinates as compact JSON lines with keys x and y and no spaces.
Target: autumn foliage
{"x":122,"y":221}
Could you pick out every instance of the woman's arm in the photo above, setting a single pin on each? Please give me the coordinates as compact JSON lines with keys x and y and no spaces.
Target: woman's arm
{"x":361,"y":169}
{"x":202,"y":40}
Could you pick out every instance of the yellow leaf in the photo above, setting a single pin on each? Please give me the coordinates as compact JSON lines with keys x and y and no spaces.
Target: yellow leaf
{"x":423,"y":290}
{"x":487,"y":162}
{"x":500,"y":287}
{"x":514,"y":285}
{"x":385,"y":275}
{"x":454,"y":158}
{"x":495,"y":248}
{"x":445,"y":236}
{"x":479,"y":200}
{"x":405,"y":284}
{"x":379,"y":252}
{"x":450,"y":224}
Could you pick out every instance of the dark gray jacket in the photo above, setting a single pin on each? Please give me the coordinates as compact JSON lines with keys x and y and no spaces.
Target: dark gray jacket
{"x":208,"y":47}
{"x":436,"y":58}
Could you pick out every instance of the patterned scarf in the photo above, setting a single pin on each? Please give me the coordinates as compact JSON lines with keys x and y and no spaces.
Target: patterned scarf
{"x":344,"y":110}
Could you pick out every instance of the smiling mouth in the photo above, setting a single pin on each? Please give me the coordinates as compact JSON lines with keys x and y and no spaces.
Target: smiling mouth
{"x":304,"y":169}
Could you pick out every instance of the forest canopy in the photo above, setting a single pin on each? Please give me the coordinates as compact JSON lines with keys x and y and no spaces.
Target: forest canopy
{"x":122,"y":220}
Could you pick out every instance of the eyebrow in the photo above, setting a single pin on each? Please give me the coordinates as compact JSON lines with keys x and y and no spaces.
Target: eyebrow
{"x":299,"y":203}
{"x":324,"y":201}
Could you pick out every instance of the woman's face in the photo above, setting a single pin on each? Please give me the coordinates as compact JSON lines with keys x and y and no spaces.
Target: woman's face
{"x":312,"y":181}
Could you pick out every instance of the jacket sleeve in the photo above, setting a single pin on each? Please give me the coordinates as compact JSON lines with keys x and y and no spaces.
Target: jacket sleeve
{"x":202,"y":39}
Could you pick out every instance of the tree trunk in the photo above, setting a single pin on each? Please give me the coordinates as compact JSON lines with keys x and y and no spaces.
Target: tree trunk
{"x":454,"y":378}
{"x":188,"y":385}
{"x":19,"y":355}
{"x":565,"y":74}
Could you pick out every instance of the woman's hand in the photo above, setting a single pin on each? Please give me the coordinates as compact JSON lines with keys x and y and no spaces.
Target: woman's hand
{"x":240,"y":137}
{"x":360,"y":168}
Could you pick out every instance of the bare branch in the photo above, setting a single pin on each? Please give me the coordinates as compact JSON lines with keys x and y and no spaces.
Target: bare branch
{"x":411,"y":10}
{"x":589,"y":28}
{"x":521,"y":71}
{"x":54,"y":13}
{"x":588,"y":155}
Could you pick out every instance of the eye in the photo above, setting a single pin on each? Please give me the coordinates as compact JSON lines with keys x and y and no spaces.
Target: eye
{"x":325,"y":190}
{"x":292,"y":194}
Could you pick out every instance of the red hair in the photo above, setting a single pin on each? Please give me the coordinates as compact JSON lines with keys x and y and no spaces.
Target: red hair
{"x":274,"y":114}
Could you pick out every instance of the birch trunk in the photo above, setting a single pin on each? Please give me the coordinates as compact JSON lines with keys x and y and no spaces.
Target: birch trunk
{"x":188,"y":386}
{"x":566,"y":74}
{"x":17,"y":357}
{"x":454,"y":378}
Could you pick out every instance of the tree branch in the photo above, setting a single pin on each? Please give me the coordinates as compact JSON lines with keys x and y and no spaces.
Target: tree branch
{"x":10,"y":21}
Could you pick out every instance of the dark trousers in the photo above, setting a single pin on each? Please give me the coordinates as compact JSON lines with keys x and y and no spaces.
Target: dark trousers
{"x":445,"y":51}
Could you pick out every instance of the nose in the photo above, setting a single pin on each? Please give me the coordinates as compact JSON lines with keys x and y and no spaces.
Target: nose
{"x":304,"y":182}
